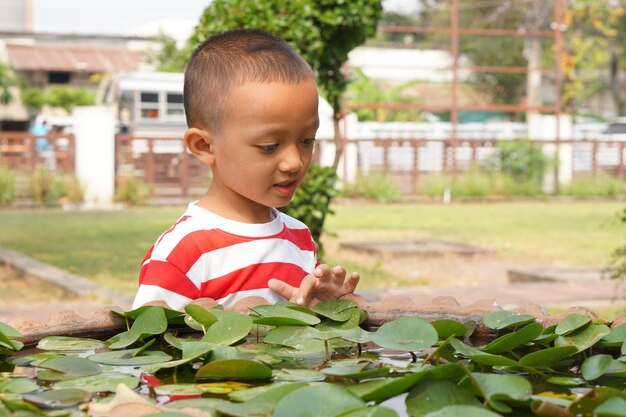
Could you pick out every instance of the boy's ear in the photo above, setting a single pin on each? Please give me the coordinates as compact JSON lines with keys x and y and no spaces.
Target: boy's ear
{"x":200,"y":144}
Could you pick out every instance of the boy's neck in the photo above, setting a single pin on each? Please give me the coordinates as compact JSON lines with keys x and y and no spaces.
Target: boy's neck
{"x":252,"y":215}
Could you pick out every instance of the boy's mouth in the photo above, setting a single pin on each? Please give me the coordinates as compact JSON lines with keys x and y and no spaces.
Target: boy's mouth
{"x":286,"y":187}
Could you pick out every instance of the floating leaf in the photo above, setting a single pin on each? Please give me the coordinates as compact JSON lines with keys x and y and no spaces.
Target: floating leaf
{"x":547,"y":358}
{"x":17,"y":386}
{"x":236,"y":369}
{"x":336,"y":310}
{"x":292,"y":336}
{"x":226,"y":387}
{"x":463,"y":410}
{"x":585,"y":405}
{"x":613,"y":407}
{"x":448,"y":327}
{"x":512,"y":340}
{"x":500,"y":388}
{"x":178,"y":389}
{"x":298,"y":375}
{"x":230,"y":328}
{"x":106,"y":382}
{"x":356,"y":369}
{"x":60,"y":343}
{"x":376,"y":411}
{"x":572,"y":323}
{"x":58,"y":398}
{"x":406,"y":333}
{"x":201,"y":315}
{"x":130,"y":357}
{"x":595,"y":366}
{"x":382,"y":389}
{"x":66,"y":367}
{"x":584,"y":338}
{"x":503,"y":319}
{"x":151,"y":321}
{"x":481,"y":357}
{"x":320,"y":400}
{"x":430,"y":396}
{"x":277,"y":315}
{"x":566,"y":381}
{"x":617,"y":337}
{"x":262,"y":404}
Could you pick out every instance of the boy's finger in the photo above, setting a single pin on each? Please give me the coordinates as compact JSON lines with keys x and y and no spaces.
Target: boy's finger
{"x":352,"y":282}
{"x":281,"y":288}
{"x":339,"y":272}
{"x":304,"y":292}
{"x":322,"y":271}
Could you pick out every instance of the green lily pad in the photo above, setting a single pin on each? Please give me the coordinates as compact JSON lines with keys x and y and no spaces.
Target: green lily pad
{"x":130,"y":357}
{"x":498,"y":389}
{"x":379,"y":390}
{"x":336,"y":310}
{"x":18,"y":386}
{"x":178,"y":389}
{"x":356,"y":369}
{"x":150,"y":321}
{"x":201,"y":315}
{"x":613,"y":407}
{"x":463,"y":410}
{"x":480,"y":357}
{"x":375,"y":411}
{"x":566,"y":381}
{"x":595,"y":366}
{"x":262,"y":404}
{"x":66,"y":367}
{"x":572,"y":323}
{"x":406,"y":333}
{"x":430,"y":396}
{"x":106,"y":382}
{"x":236,"y":369}
{"x":586,"y":404}
{"x":230,"y":328}
{"x":617,"y":337}
{"x":547,"y":358}
{"x":292,"y":336}
{"x":298,"y":375}
{"x":503,"y":319}
{"x":58,"y":398}
{"x":320,"y":400}
{"x":9,"y":331}
{"x":60,"y":343}
{"x":277,"y":315}
{"x":448,"y":327}
{"x":584,"y":338}
{"x":514,"y":339}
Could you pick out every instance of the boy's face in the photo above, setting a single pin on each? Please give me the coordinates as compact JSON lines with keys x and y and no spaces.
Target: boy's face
{"x":264,"y":147}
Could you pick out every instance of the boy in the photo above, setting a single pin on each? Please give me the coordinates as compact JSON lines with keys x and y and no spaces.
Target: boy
{"x":251,"y":107}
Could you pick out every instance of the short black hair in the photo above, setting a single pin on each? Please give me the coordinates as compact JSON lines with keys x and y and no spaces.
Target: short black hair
{"x":233,"y":58}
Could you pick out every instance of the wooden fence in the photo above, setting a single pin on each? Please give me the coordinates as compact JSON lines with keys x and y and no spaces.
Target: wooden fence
{"x":171,"y":172}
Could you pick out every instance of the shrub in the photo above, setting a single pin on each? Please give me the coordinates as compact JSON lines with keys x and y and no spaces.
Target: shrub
{"x":7,"y":186}
{"x":132,"y":191}
{"x":510,"y":187}
{"x":43,"y":187}
{"x":601,"y":185}
{"x":375,"y":186}
{"x":522,"y":160}
{"x":311,"y":202}
{"x":70,"y":188}
{"x":472,"y":184}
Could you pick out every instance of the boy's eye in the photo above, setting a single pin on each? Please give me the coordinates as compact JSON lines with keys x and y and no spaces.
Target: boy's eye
{"x":308,"y":141}
{"x":267,"y":148}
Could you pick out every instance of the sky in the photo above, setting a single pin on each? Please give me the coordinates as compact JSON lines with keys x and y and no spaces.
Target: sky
{"x":122,"y":16}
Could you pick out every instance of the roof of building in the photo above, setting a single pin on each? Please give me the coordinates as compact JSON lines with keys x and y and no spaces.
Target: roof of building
{"x":72,"y":58}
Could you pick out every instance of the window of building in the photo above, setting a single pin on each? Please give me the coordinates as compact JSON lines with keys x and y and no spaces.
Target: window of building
{"x":58,"y":77}
{"x":174,"y":106}
{"x":149,"y":105}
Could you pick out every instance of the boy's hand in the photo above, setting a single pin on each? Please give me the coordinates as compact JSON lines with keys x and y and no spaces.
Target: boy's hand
{"x":323,"y":284}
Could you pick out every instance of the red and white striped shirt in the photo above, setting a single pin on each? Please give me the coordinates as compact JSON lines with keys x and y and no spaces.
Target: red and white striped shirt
{"x":205,"y":255}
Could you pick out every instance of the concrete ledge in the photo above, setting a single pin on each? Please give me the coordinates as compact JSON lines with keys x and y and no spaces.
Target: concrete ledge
{"x":549,"y":274}
{"x":70,"y":282}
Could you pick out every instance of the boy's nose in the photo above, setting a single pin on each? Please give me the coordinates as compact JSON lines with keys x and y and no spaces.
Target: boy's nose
{"x":291,"y":160}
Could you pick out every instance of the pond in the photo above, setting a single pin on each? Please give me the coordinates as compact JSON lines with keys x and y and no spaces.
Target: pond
{"x":288,"y":360}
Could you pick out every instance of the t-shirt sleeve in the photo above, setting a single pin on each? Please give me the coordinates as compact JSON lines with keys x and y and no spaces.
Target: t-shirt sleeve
{"x":160,"y":280}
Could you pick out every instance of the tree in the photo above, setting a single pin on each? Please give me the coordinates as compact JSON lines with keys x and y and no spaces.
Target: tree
{"x":594,"y":44}
{"x":322,"y":31}
{"x":8,"y":81}
{"x":169,"y":58}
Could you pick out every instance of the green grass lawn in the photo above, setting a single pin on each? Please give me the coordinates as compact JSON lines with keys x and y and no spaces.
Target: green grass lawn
{"x":108,"y":247}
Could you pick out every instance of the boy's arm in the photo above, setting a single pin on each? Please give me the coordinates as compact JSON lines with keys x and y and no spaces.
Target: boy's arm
{"x":323,"y":284}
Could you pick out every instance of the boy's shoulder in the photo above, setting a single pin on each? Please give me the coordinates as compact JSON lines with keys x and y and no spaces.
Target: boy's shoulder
{"x":291,"y":222}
